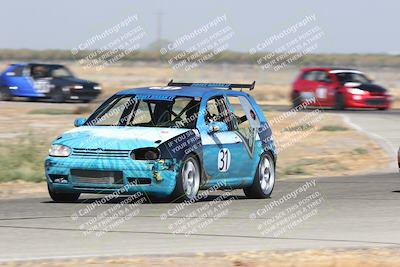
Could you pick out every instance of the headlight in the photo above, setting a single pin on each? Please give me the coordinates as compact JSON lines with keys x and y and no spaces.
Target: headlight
{"x":147,"y":153}
{"x":59,"y":151}
{"x":97,"y":87}
{"x":356,"y":91}
{"x":77,"y":87}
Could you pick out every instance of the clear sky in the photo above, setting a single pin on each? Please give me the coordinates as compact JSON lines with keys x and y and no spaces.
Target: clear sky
{"x":350,"y":26}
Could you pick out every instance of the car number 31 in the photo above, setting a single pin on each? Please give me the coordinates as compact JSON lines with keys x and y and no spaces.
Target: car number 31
{"x":224,"y":160}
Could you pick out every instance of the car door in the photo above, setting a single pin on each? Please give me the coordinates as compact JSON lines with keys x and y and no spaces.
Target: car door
{"x":19,"y":80}
{"x":224,"y":153}
{"x":324,"y":88}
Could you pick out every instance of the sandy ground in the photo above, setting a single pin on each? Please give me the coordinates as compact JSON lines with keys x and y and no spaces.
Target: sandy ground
{"x":304,"y":258}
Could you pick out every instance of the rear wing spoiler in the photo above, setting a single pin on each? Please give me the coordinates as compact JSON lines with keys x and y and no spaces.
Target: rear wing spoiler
{"x":228,"y":86}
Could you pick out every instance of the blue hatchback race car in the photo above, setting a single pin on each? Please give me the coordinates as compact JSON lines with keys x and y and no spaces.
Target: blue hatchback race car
{"x":51,"y":81}
{"x":168,"y":142}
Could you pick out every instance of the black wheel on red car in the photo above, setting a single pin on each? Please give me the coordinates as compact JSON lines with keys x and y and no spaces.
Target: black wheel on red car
{"x":5,"y":94}
{"x":187,"y":180}
{"x":296,"y":99}
{"x":63,"y":197}
{"x":57,"y":96}
{"x":264,"y":179}
{"x":339,"y":102}
{"x":382,"y":108}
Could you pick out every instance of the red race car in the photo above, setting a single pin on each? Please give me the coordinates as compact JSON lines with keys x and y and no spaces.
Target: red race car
{"x":339,"y":88}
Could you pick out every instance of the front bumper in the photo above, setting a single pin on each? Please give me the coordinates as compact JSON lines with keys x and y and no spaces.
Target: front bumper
{"x":360,"y":101}
{"x":160,"y":178}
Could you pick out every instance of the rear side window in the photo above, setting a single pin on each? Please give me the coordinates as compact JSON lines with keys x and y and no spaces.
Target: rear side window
{"x":309,"y":76}
{"x":244,"y":115}
{"x":17,"y":71}
{"x":315,"y":75}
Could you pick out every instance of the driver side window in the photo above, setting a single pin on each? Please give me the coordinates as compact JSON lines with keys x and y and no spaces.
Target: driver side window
{"x":217,"y":111}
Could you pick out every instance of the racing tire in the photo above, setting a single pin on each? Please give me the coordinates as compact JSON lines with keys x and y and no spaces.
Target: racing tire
{"x":382,"y":108}
{"x":264,"y":179}
{"x":296,"y":99}
{"x":5,"y":94}
{"x":339,"y":102}
{"x":63,"y":197}
{"x":188,"y":180}
{"x":57,"y":96}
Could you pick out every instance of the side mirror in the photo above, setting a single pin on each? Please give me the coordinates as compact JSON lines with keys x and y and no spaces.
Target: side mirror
{"x":79,"y":122}
{"x":217,"y":126}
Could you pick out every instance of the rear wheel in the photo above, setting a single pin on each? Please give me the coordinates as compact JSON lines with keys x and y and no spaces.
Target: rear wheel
{"x":5,"y":94}
{"x":188,"y":180}
{"x":264,"y":180}
{"x":339,"y":102}
{"x":63,"y":197}
{"x":382,"y":108}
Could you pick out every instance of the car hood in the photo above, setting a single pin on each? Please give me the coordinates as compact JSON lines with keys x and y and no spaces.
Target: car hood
{"x":117,"y":137}
{"x":370,"y":87}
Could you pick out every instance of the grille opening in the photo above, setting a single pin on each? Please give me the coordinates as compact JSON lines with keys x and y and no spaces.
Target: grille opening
{"x":97,"y":176}
{"x":139,"y":181}
{"x":100,"y":153}
{"x":375,"y":101}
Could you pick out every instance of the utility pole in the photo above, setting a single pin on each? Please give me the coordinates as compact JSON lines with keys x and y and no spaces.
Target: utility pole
{"x":160,"y":13}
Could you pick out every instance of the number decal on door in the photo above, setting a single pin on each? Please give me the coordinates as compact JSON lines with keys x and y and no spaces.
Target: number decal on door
{"x":321,"y":92}
{"x":224,"y":159}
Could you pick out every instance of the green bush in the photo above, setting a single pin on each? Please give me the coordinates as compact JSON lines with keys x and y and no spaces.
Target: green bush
{"x":333,"y":128}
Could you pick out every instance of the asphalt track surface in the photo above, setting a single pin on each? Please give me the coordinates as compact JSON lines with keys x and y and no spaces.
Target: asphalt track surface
{"x":339,"y":212}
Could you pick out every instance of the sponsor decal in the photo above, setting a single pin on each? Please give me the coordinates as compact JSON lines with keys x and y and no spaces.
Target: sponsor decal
{"x":248,"y":136}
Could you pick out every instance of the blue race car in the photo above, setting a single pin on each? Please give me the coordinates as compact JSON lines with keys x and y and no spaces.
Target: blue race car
{"x":166,"y":142}
{"x":53,"y":81}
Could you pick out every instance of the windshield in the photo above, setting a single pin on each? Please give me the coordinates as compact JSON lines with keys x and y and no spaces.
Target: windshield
{"x":61,"y":72}
{"x":147,"y":111}
{"x":345,"y":77}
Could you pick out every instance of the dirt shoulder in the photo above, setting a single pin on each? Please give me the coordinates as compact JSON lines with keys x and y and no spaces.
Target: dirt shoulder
{"x":305,"y":258}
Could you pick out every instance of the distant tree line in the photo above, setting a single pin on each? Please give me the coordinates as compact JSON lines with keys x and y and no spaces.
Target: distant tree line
{"x":362,"y":60}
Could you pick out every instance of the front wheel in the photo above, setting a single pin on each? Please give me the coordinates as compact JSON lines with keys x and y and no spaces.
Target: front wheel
{"x":188,"y":180}
{"x":264,"y":180}
{"x":5,"y":94}
{"x":339,"y":102}
{"x":57,"y":96}
{"x":63,"y":197}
